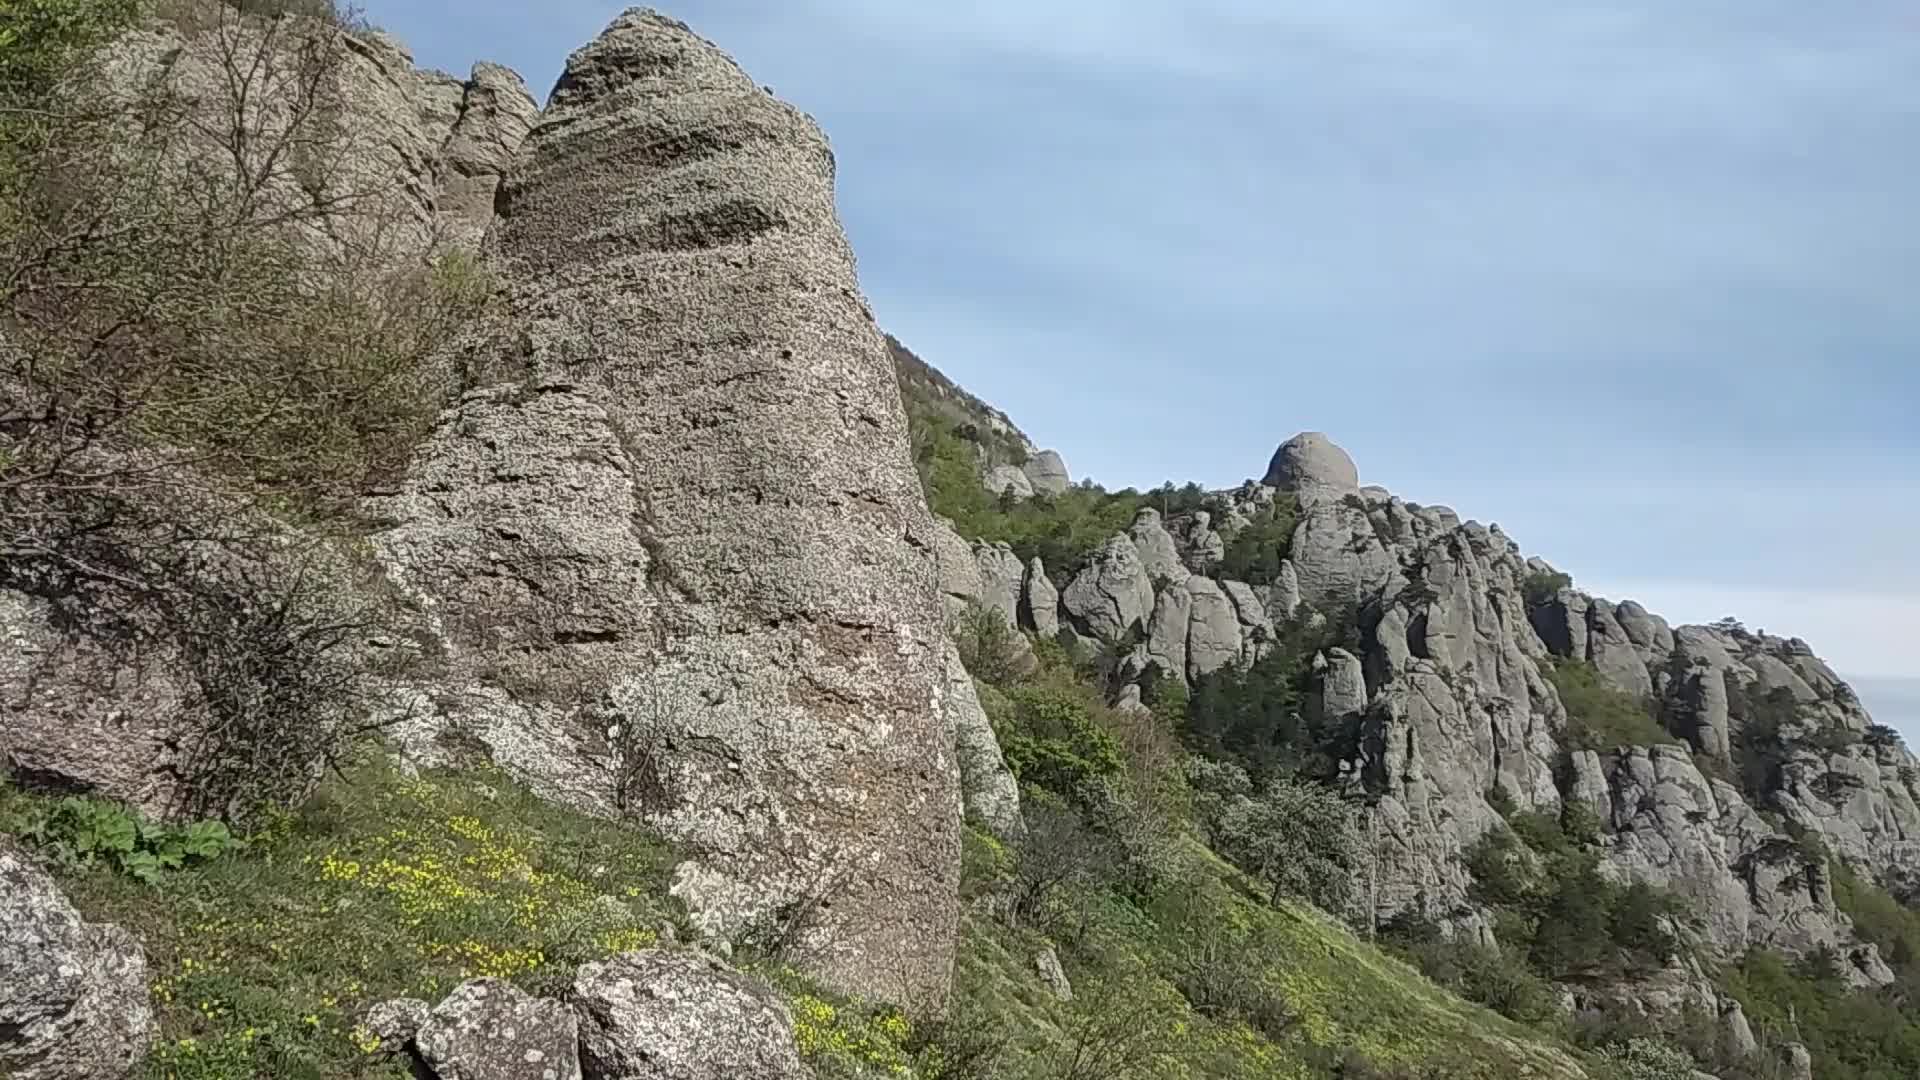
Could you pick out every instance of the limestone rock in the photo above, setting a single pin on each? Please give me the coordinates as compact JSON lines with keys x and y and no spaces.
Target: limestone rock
{"x":395,"y":1022}
{"x":1112,"y":594}
{"x":1157,"y":550}
{"x":1008,"y":480}
{"x":1047,"y":962}
{"x":1039,"y":601}
{"x":1736,"y":1034}
{"x":958,"y":570}
{"x":1256,"y":626}
{"x":489,"y":1030}
{"x":1343,"y":687}
{"x":495,"y":115}
{"x":1310,"y":462}
{"x":1201,"y":547}
{"x":1000,"y":579}
{"x":718,"y":541}
{"x":1213,"y":628}
{"x":992,"y":795}
{"x":73,"y":995}
{"x":1167,"y":632}
{"x":1047,"y":472}
{"x":655,"y":1015}
{"x":1796,"y":1062}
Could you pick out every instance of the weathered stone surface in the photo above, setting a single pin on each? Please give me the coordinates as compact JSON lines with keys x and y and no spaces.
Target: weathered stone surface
{"x":395,"y":1022}
{"x":1008,"y":480}
{"x":487,"y":1029}
{"x":1112,"y":594}
{"x":1213,"y":629}
{"x":1000,"y":579}
{"x":716,"y":519}
{"x":1201,"y":547}
{"x":1047,"y":472}
{"x":80,"y":712}
{"x":1343,"y":685}
{"x":1796,"y":1062}
{"x":1157,"y":550}
{"x":1311,"y":463}
{"x":958,"y":570}
{"x":1047,"y":963}
{"x":1039,"y":601}
{"x":1167,"y":632}
{"x":495,"y":115}
{"x":657,"y":1015}
{"x":73,"y":995}
{"x":1736,"y":1034}
{"x":992,"y":796}
{"x":1256,"y":626}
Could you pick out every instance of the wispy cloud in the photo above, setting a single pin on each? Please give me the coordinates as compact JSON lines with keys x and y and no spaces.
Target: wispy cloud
{"x":1634,"y":280}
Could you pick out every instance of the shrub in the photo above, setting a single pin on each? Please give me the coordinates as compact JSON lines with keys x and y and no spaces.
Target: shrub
{"x":1541,"y":586}
{"x":1648,"y":1059}
{"x":1600,"y":717}
{"x":1255,"y":552}
{"x":78,"y":832}
{"x":989,"y":645}
{"x":1060,"y":855}
{"x":1052,"y":738}
{"x":1297,"y":838}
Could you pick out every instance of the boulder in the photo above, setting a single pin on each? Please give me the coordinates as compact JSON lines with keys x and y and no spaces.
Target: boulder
{"x":1047,"y":472}
{"x":1343,"y":685}
{"x":1310,"y":463}
{"x":1157,"y":550}
{"x":487,"y":1029}
{"x":1039,"y":601}
{"x":495,"y":114}
{"x":1001,"y":577}
{"x":1796,"y":1062}
{"x":396,"y":1021}
{"x":992,"y":795}
{"x":1213,"y":628}
{"x":1112,"y":594}
{"x":73,"y":994}
{"x":1736,"y":1034}
{"x":1047,"y":963}
{"x":696,"y":520}
{"x":1008,"y":480}
{"x":656,"y":1015}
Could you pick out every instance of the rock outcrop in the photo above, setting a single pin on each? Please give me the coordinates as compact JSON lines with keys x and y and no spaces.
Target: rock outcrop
{"x":489,"y":1030}
{"x":73,"y":995}
{"x":681,"y":1016}
{"x":1047,"y":472}
{"x":1311,"y":464}
{"x":992,"y":795}
{"x":695,"y":523}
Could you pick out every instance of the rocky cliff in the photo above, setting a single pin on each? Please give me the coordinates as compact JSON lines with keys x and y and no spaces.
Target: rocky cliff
{"x":1765,"y":765}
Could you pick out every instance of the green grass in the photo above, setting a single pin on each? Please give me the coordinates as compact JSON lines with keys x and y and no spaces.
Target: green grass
{"x":263,"y":961}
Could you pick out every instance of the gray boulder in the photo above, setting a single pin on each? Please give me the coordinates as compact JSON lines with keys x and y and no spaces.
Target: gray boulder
{"x":1796,"y":1062}
{"x":1001,"y":577}
{"x":1008,"y":480}
{"x":1112,"y":594}
{"x":992,"y":795}
{"x":1047,"y":963}
{"x":73,"y":994}
{"x":714,"y":540}
{"x":1736,"y":1034}
{"x":495,"y":114}
{"x":1047,"y":472}
{"x":489,"y":1030}
{"x":1039,"y":601}
{"x":1167,"y":632}
{"x":1343,"y":685}
{"x":1310,"y":463}
{"x":1213,"y":628}
{"x":1157,"y":549}
{"x":396,"y":1021}
{"x":656,"y":1015}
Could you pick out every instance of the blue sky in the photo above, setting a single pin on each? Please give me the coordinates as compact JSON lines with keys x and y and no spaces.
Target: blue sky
{"x":1639,"y":280}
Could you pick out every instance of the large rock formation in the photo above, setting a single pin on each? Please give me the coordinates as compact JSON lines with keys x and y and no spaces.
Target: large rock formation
{"x":691,"y":540}
{"x":73,"y":995}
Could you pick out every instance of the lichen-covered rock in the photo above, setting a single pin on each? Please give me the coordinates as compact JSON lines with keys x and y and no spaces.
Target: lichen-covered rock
{"x":718,"y":547}
{"x":1213,"y":628}
{"x":487,"y":1029}
{"x":992,"y":795}
{"x":656,"y":1015}
{"x":73,"y":995}
{"x":395,"y":1022}
{"x":1000,"y":579}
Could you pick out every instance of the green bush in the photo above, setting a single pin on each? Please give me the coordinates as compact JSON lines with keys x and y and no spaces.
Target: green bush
{"x":989,"y":646}
{"x":1297,"y":838}
{"x":1541,"y":586}
{"x":1648,"y":1059}
{"x":1261,"y":716}
{"x":1600,"y":717}
{"x":1255,"y":552}
{"x":78,"y":832}
{"x":1051,"y":737}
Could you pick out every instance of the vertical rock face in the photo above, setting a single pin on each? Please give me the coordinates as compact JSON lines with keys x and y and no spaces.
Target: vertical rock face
{"x":706,"y":479}
{"x":1047,"y":472}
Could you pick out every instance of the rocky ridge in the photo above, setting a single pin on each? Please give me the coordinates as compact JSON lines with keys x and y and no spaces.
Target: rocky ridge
{"x":1448,"y":699}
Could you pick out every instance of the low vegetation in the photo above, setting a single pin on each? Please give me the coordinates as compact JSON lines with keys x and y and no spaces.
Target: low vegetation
{"x":264,"y":956}
{"x":1600,"y":717}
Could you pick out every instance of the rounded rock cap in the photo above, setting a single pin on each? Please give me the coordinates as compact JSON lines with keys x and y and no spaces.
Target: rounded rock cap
{"x":1311,"y":460}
